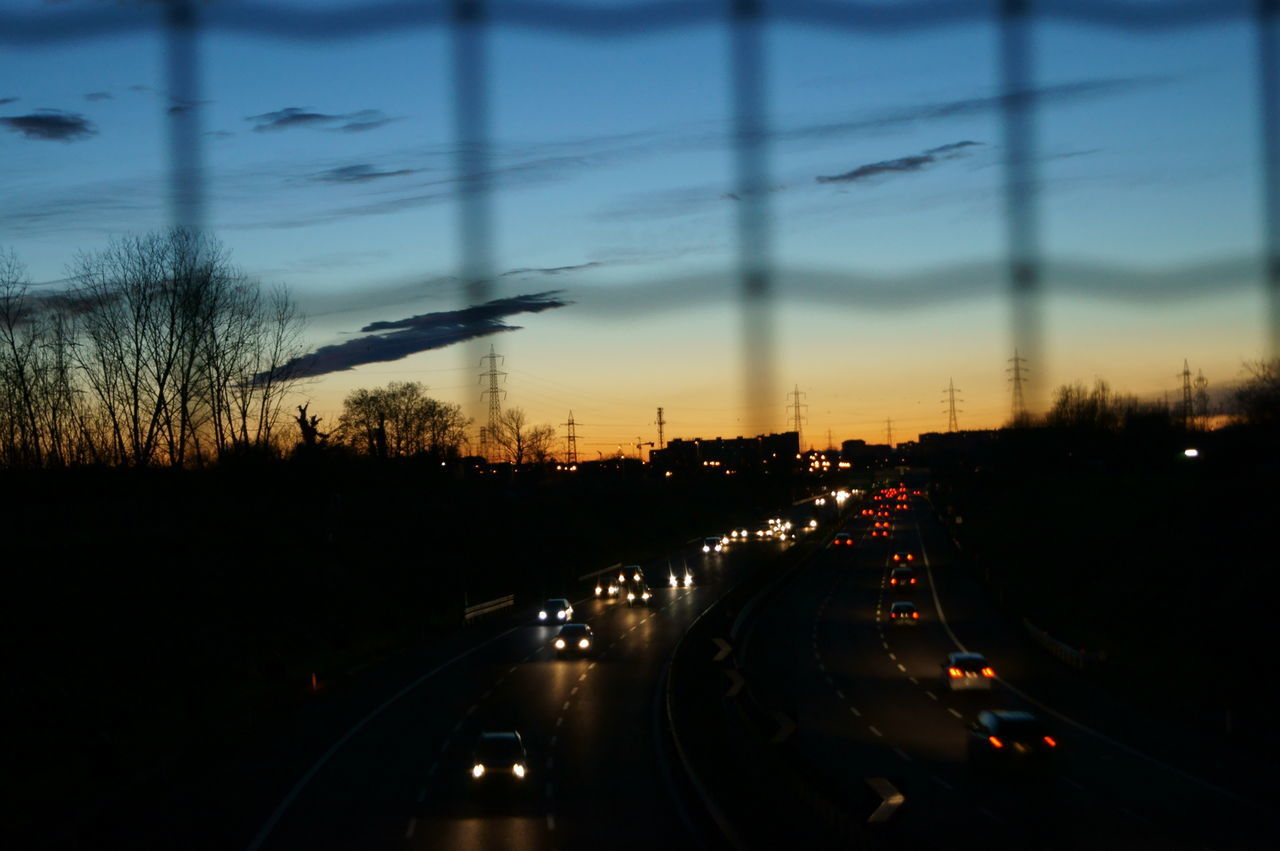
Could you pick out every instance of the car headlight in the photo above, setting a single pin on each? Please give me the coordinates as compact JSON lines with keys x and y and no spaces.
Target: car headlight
{"x":706,"y":549}
{"x":672,"y":580}
{"x":584,"y":643}
{"x":518,"y":769}
{"x":719,"y":547}
{"x":559,"y":643}
{"x":688,"y":580}
{"x":477,"y":770}
{"x":598,"y":590}
{"x":562,"y":614}
{"x":542,"y":616}
{"x":631,"y":595}
{"x":644,"y":596}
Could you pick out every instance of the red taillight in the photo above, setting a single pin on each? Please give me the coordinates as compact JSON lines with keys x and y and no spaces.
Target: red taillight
{"x":1049,"y":740}
{"x":913,"y":582}
{"x":915,"y":614}
{"x":995,"y":743}
{"x":910,"y":557}
{"x":955,"y":672}
{"x":893,"y":615}
{"x":893,"y":582}
{"x":987,"y":672}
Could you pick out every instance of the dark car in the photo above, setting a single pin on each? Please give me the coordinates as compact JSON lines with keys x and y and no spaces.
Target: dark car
{"x":1010,"y":739}
{"x":842,"y":539}
{"x":574,"y":638}
{"x":903,"y":578}
{"x":903,"y":558}
{"x":904,"y":614}
{"x":640,"y":595}
{"x":499,"y":755}
{"x":966,"y":671}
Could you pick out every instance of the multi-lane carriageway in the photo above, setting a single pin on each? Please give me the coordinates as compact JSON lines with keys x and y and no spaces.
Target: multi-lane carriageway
{"x":869,"y":700}
{"x":600,"y":774}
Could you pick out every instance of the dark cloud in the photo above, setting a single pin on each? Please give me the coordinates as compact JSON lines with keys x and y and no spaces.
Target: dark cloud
{"x":50,"y":125}
{"x":94,"y":96}
{"x":283,"y":119}
{"x":901,"y":165}
{"x":360,"y":173}
{"x":552,"y":270}
{"x":3,"y":101}
{"x":396,"y":339}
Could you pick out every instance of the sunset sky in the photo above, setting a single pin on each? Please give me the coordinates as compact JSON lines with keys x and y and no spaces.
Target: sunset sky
{"x":330,"y":168}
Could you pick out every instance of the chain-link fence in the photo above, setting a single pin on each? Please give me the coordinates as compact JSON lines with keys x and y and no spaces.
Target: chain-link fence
{"x":470,"y":22}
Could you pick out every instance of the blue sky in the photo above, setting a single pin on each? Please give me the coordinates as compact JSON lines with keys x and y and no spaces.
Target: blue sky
{"x":613,"y":168}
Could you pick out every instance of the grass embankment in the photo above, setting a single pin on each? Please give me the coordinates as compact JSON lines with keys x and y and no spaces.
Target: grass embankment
{"x":1158,"y":561}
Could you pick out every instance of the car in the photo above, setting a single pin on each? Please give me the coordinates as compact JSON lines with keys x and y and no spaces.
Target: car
{"x":968,"y":671}
{"x":902,"y":577}
{"x":712,"y":544}
{"x":576,"y":638}
{"x":1010,"y":739}
{"x":556,"y":609}
{"x":842,"y":539}
{"x":903,"y":613}
{"x":882,"y":529}
{"x":903,"y":558}
{"x":676,"y":582}
{"x":640,"y":595}
{"x":499,"y":755}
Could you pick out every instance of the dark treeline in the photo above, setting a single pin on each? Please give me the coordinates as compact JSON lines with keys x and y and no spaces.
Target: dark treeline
{"x":1096,"y":526}
{"x":159,"y":352}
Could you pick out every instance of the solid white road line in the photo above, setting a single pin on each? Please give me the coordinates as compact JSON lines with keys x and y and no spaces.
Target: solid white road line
{"x":953,"y":712}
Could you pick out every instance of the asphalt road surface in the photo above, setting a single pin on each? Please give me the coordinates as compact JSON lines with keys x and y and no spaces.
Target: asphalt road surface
{"x":870,"y":701}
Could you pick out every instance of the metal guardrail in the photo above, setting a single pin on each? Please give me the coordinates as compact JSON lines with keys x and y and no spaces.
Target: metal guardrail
{"x":1078,"y":659}
{"x":488,"y":607}
{"x":593,"y":574}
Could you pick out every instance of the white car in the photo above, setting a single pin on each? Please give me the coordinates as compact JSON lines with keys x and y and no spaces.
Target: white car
{"x":555,"y":610}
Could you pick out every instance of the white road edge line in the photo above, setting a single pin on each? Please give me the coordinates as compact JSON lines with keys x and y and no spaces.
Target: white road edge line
{"x":413,"y":825}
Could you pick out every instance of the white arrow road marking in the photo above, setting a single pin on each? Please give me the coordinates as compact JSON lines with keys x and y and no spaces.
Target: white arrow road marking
{"x":723,"y":652}
{"x":785,"y":728}
{"x":737,"y":681}
{"x":890,"y":799}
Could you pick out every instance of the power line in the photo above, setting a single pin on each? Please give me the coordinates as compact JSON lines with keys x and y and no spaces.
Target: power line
{"x":488,"y":436}
{"x":1019,"y":376}
{"x":571,"y":441}
{"x":953,"y":423}
{"x":797,"y":417}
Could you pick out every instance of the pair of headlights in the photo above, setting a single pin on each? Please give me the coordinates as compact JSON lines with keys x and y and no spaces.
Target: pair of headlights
{"x":478,"y":770}
{"x":584,"y":643}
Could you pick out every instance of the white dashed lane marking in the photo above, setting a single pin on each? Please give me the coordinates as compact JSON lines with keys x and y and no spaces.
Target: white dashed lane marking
{"x":876,"y":731}
{"x":902,"y":667}
{"x":413,"y":825}
{"x":932,"y":696}
{"x":900,"y":752}
{"x":953,"y":712}
{"x":551,"y":822}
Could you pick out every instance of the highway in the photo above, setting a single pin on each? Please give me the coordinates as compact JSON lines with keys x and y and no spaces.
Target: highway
{"x":600,"y":774}
{"x":869,"y":701}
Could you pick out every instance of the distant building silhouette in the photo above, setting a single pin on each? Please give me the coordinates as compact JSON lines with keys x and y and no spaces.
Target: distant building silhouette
{"x":761,"y":452}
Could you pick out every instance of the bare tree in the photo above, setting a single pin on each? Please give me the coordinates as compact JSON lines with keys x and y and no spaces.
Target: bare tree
{"x":1258,"y":396}
{"x":519,"y":441}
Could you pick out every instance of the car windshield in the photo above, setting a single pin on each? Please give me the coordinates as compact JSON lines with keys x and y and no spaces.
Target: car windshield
{"x":574,"y":629}
{"x":499,"y":750}
{"x":903,"y":607}
{"x":1020,"y":729}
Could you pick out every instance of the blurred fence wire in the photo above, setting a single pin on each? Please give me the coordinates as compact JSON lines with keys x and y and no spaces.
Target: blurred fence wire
{"x":1023,"y":268}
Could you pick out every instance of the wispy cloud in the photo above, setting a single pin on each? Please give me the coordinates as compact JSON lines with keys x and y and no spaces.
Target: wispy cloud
{"x":552,"y":270}
{"x":360,"y":173}
{"x":97,"y":96}
{"x":50,"y":125}
{"x":293,"y":117}
{"x":900,"y":165}
{"x":396,"y":339}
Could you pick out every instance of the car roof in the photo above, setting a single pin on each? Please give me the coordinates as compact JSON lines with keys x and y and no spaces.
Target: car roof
{"x":1002,"y":715}
{"x":500,"y":736}
{"x":557,"y":600}
{"x":842,"y":534}
{"x":966,"y":657}
{"x":903,"y":604}
{"x":903,"y":569}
